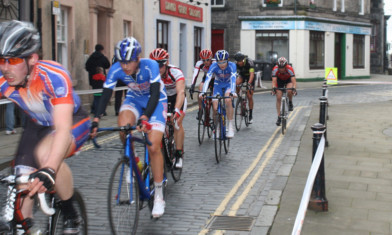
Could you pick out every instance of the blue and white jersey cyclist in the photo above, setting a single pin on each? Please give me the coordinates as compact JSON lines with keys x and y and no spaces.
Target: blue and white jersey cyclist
{"x":225,"y":73}
{"x":145,"y":100}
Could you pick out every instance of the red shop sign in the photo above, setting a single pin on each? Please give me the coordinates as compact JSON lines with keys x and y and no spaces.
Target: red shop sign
{"x":182,"y":10}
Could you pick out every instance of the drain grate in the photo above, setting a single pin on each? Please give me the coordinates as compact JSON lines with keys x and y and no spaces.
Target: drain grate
{"x":237,"y":223}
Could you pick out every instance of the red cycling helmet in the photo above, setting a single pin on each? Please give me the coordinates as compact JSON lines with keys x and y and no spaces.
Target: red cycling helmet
{"x":282,"y":62}
{"x":205,"y":54}
{"x":159,"y":54}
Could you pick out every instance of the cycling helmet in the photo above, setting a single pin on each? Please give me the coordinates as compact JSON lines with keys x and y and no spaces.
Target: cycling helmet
{"x":239,"y":56}
{"x":159,"y":54}
{"x":127,"y":50}
{"x":18,"y":39}
{"x":205,"y":54}
{"x":282,"y":62}
{"x":221,"y":55}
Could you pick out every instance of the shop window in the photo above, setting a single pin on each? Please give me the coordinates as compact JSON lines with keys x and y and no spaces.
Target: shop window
{"x":162,"y":34}
{"x":62,"y":37}
{"x":316,"y":50}
{"x":270,"y":45}
{"x":217,"y":3}
{"x":359,"y":51}
{"x":126,"y":28}
{"x":197,"y":46}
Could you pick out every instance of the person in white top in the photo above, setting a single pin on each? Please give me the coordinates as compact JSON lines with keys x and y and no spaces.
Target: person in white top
{"x":203,"y":64}
{"x":174,"y":81}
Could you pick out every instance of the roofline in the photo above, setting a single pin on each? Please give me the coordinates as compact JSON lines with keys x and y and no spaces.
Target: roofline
{"x":304,"y":18}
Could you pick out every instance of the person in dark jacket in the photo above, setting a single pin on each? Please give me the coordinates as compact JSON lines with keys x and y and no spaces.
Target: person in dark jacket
{"x":96,"y":59}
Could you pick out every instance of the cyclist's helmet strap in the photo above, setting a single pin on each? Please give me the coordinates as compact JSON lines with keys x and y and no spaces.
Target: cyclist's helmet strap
{"x":205,"y":54}
{"x":221,"y":55}
{"x":128,"y":49}
{"x":282,"y":62}
{"x":18,"y":39}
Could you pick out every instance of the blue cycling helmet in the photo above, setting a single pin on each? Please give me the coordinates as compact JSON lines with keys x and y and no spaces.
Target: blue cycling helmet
{"x":221,"y":55}
{"x":127,"y":50}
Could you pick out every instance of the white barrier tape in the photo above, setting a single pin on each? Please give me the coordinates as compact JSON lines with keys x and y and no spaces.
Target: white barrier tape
{"x":364,"y":82}
{"x":299,"y":220}
{"x":79,"y":92}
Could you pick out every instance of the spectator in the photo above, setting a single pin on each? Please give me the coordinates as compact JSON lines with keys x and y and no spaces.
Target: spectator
{"x":96,"y":59}
{"x":10,"y":119}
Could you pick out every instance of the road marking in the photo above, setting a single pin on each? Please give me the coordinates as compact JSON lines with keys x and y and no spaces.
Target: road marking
{"x":235,"y":188}
{"x":100,"y":141}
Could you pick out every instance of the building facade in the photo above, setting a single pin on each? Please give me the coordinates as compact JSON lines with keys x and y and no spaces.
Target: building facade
{"x":183,"y":28}
{"x":312,"y":35}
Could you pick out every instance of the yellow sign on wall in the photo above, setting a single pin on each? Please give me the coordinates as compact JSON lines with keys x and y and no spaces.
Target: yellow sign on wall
{"x":331,"y":75}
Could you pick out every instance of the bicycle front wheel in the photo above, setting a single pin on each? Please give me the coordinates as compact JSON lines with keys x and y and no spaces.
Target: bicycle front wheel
{"x":208,"y":120}
{"x":245,"y":103}
{"x":283,"y":117}
{"x":123,"y":200}
{"x":201,"y":128}
{"x":238,"y":114}
{"x":58,"y":218}
{"x":218,"y":139}
{"x":225,"y":140}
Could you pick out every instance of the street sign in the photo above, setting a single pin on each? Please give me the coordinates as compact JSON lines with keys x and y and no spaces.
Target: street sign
{"x":55,"y":8}
{"x":331,"y":75}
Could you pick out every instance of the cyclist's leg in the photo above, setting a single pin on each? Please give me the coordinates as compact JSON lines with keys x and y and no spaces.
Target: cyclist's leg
{"x":250,"y":100}
{"x":238,"y":81}
{"x":229,"y":112}
{"x":155,"y":136}
{"x":199,"y":98}
{"x":129,"y":112}
{"x":179,"y":134}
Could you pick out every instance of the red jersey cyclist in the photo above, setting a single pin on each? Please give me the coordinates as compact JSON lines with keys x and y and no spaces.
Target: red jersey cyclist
{"x":174,"y":81}
{"x":203,"y":64}
{"x":283,"y":75}
{"x":56,"y":124}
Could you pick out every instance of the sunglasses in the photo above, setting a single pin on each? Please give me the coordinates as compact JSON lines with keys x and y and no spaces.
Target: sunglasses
{"x":222,"y":62}
{"x":161,"y":63}
{"x":11,"y":61}
{"x":206,"y":60}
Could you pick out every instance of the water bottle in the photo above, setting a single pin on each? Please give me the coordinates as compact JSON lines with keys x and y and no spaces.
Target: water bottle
{"x":139,"y":164}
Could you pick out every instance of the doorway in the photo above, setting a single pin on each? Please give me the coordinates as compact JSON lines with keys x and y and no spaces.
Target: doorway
{"x":183,"y":45}
{"x":217,"y":40}
{"x":340,"y":54}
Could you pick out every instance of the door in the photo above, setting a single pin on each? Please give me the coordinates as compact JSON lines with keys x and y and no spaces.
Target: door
{"x":183,"y":45}
{"x":217,"y":40}
{"x":340,"y":54}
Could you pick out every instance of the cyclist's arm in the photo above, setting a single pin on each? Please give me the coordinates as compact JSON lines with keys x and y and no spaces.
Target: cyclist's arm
{"x":207,"y":81}
{"x":274,"y":77}
{"x":294,"y":81}
{"x":233,"y":77}
{"x":196,"y":71}
{"x":180,"y":88}
{"x":155,"y":88}
{"x":251,"y":75}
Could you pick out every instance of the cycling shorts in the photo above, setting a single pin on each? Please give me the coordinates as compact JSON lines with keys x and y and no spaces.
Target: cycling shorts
{"x":282,"y":83}
{"x":219,"y":86}
{"x":171,"y":104}
{"x":34,"y":133}
{"x":158,"y":117}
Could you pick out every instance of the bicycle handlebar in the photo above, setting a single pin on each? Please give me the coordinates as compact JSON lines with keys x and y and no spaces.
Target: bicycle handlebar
{"x":46,"y":209}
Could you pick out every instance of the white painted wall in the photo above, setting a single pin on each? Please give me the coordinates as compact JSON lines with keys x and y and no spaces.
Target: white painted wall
{"x":350,"y":71}
{"x":248,"y":43}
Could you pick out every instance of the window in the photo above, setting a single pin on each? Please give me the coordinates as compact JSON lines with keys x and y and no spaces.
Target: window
{"x":359,"y":51}
{"x":162,"y":34}
{"x":343,"y":6}
{"x":126,"y":28}
{"x":316,"y":50}
{"x":62,"y":37}
{"x":272,"y":3}
{"x":334,"y":5}
{"x":217,"y":3}
{"x":361,"y":7}
{"x":270,"y":45}
{"x":197,"y":46}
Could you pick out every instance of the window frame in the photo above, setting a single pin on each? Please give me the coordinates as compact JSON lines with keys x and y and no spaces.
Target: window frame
{"x":360,"y":39}
{"x":62,"y":37}
{"x":162,"y":34}
{"x":213,"y":3}
{"x":198,"y":37}
{"x":318,"y":37}
{"x":127,"y":28}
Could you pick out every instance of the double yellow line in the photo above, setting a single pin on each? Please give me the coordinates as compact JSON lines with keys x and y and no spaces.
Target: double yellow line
{"x":233,"y":210}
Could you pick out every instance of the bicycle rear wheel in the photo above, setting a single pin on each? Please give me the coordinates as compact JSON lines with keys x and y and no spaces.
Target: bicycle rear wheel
{"x":208,"y":119}
{"x":226,"y":141}
{"x":238,"y":114}
{"x":218,"y":139}
{"x":175,"y":172}
{"x":58,"y":218}
{"x":201,"y":127}
{"x":123,"y":209}
{"x":246,"y":111}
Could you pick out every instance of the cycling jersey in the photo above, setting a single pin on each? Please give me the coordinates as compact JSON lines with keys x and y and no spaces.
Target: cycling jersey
{"x":226,"y":76}
{"x":173,"y":74}
{"x":289,"y":72}
{"x":50,"y":84}
{"x":245,"y":70}
{"x":200,"y":66}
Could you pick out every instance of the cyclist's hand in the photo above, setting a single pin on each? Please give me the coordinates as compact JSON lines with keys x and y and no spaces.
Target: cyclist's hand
{"x":143,"y":125}
{"x":273,"y":91}
{"x":250,"y":86}
{"x":234,"y":95}
{"x":42,"y":180}
{"x":295,"y":92}
{"x":178,"y":113}
{"x":94,"y":129}
{"x":191,"y":90}
{"x":202,"y":96}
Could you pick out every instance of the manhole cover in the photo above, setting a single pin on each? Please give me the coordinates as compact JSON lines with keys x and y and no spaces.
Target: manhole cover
{"x":388,"y":132}
{"x":238,"y":223}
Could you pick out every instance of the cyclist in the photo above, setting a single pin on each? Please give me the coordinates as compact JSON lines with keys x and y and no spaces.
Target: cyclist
{"x":203,"y":64}
{"x":174,"y":81}
{"x":145,"y":101}
{"x":283,"y":75}
{"x":246,"y":72}
{"x":56,"y":124}
{"x":225,"y":78}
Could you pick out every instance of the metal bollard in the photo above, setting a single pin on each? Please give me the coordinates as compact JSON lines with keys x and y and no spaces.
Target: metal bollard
{"x":318,"y":200}
{"x":323,"y":116}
